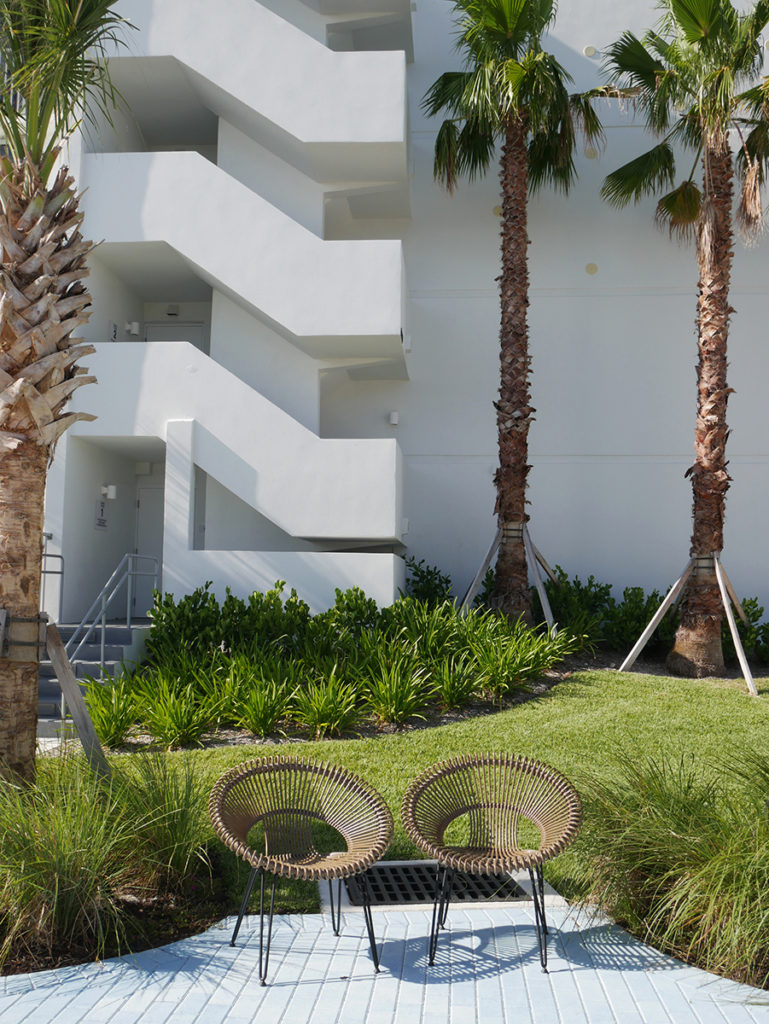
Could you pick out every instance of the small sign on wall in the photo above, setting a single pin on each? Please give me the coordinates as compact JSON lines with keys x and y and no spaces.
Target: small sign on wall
{"x":101,"y":514}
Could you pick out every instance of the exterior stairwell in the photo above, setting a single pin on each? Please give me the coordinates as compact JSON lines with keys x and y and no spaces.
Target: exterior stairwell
{"x":343,"y":489}
{"x":351,"y":291}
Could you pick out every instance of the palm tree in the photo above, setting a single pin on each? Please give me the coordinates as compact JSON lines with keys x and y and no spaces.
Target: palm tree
{"x":52,"y":55}
{"x":695,"y":79}
{"x":512,"y":92}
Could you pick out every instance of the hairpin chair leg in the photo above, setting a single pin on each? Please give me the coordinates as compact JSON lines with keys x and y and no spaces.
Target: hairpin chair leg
{"x":538,"y":893}
{"x":244,"y":904}
{"x":444,"y":878}
{"x":263,"y":969}
{"x":366,"y":891}
{"x":336,"y":916}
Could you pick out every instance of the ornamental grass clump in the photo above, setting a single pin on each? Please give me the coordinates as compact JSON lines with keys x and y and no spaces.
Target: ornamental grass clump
{"x":682,"y":858}
{"x":167,"y":803}
{"x":64,"y":848}
{"x":263,"y":706}
{"x":174,"y":711}
{"x":397,"y":687}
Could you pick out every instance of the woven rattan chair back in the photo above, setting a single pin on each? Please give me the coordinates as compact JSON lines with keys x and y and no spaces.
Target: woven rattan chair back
{"x":516,"y":814}
{"x":287,"y":795}
{"x":497,"y":795}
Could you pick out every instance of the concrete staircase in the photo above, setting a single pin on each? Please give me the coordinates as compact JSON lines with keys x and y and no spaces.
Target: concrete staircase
{"x":123,"y":645}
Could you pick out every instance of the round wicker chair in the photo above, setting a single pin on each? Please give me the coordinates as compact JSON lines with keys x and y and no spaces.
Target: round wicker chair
{"x":500,"y":798}
{"x":286,"y":795}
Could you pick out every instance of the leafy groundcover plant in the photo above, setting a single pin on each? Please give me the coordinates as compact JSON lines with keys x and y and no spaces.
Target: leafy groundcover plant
{"x":268,"y":666}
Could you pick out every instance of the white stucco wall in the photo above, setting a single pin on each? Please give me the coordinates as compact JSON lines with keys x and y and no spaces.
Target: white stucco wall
{"x":613,"y":352}
{"x":613,"y":359}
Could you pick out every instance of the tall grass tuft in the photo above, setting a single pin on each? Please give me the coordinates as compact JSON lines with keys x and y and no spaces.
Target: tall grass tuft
{"x":683,"y":860}
{"x":63,"y":846}
{"x":167,"y":803}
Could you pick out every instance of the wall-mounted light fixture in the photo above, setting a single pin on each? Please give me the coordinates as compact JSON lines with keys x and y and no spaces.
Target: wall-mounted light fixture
{"x":589,"y":51}
{"x":394,"y":418}
{"x":109,"y":491}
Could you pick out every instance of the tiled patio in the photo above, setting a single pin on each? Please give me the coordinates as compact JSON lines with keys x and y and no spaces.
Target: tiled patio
{"x":487,"y":971}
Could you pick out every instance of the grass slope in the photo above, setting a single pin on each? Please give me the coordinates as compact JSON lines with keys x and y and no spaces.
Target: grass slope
{"x":578,"y":727}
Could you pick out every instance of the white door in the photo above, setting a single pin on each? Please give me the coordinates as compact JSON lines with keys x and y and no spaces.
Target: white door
{"x":149,"y":541}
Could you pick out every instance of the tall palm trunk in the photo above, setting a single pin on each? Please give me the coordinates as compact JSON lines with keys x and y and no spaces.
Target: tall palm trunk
{"x":42,"y":300}
{"x":22,"y":492}
{"x":514,"y":412}
{"x":697,"y":649}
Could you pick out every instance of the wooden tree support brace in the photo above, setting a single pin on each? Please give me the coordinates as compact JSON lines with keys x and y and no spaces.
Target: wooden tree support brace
{"x":672,"y":597}
{"x":733,"y":627}
{"x":70,"y":688}
{"x":534,"y":566}
{"x":658,"y":616}
{"x":534,"y":558}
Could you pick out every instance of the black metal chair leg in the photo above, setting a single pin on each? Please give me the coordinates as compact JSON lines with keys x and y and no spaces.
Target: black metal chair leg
{"x":244,"y":904}
{"x":263,"y":969}
{"x":336,"y":917}
{"x":369,"y":920}
{"x":538,"y":894}
{"x":443,"y":882}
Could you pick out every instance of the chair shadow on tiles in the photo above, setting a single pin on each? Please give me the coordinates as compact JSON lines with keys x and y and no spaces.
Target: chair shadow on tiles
{"x":471,"y":954}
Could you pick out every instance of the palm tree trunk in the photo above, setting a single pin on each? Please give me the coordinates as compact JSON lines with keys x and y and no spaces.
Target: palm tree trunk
{"x":697,"y":649}
{"x":42,"y":300}
{"x":514,"y":412}
{"x":22,"y":491}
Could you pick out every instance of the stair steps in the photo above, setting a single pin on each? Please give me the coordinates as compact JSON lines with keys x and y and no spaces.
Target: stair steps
{"x":117,"y":640}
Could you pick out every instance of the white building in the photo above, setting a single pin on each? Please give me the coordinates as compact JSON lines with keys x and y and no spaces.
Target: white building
{"x":297,"y":330}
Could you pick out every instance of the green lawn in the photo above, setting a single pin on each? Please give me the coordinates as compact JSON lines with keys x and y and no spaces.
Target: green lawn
{"x":578,"y":727}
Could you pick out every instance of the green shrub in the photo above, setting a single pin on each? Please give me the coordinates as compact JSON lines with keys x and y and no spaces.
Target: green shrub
{"x":112,"y":706}
{"x":426,"y":582}
{"x":192,"y":624}
{"x":63,"y":860}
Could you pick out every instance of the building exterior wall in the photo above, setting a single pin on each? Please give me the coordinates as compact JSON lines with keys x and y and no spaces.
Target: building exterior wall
{"x":291,"y":222}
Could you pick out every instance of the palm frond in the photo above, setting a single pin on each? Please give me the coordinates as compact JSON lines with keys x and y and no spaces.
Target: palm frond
{"x":750,"y":215}
{"x":697,"y":19}
{"x":445,"y":94}
{"x":629,"y":62}
{"x":641,"y":177}
{"x":678,"y":211}
{"x":462,"y":149}
{"x":551,"y":160}
{"x":586,"y":119}
{"x":53,"y":53}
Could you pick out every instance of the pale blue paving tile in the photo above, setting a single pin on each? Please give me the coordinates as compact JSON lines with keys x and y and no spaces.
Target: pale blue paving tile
{"x":20,"y":1011}
{"x":213,"y":1014}
{"x":591,"y":990}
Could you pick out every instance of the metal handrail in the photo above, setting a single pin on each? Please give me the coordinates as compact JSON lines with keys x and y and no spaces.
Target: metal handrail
{"x":125,"y":572}
{"x":48,"y":556}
